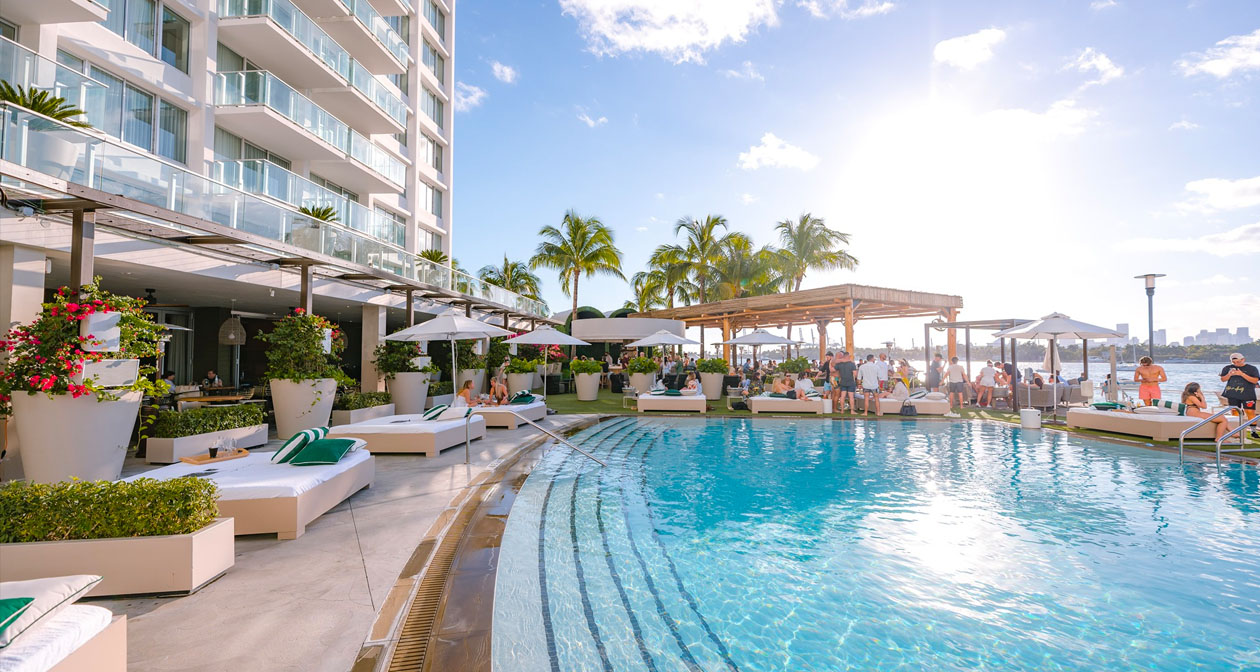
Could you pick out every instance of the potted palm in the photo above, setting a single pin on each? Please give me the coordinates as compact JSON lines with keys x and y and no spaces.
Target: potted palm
{"x":712,"y":372}
{"x":407,"y":374}
{"x":520,"y":374}
{"x":74,"y":403}
{"x":302,"y":354}
{"x":641,"y":370}
{"x":46,"y":152}
{"x":586,"y":373}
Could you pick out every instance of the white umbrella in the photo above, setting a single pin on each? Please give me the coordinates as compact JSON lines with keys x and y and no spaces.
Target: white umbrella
{"x":758,"y":338}
{"x":662,"y":337}
{"x":1053,"y":327}
{"x":546,"y":335}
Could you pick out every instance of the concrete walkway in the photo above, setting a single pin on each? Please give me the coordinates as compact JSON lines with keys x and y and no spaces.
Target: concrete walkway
{"x":307,"y":604}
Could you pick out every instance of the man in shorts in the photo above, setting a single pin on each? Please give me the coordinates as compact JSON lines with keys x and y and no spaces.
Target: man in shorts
{"x":844,"y":375}
{"x":956,"y":377}
{"x":1148,"y":376}
{"x":934,"y":373}
{"x":1240,"y":380}
{"x":868,"y":375}
{"x":884,"y":367}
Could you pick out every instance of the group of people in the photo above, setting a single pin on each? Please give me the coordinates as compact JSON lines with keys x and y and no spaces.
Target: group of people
{"x":1240,"y":378}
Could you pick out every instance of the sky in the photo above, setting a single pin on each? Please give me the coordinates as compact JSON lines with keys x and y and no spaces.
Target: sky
{"x":1031,"y":156}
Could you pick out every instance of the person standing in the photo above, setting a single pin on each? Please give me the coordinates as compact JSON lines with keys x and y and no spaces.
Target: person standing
{"x":884,"y":368}
{"x":1240,"y":380}
{"x":956,"y":377}
{"x":1150,"y":375}
{"x":868,"y":376}
{"x":934,"y":373}
{"x":845,"y":380}
{"x":984,"y":388}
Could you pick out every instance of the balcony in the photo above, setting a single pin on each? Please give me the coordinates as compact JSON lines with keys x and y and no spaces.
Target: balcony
{"x":258,"y":106}
{"x":20,"y":66}
{"x":268,"y":179}
{"x":393,"y":7}
{"x":361,"y":29}
{"x":53,"y":11}
{"x":372,"y":106}
{"x":39,"y":144}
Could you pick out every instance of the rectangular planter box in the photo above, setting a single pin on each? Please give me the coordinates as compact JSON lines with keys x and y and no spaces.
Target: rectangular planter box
{"x":168,"y":451}
{"x":102,"y":327}
{"x":180,"y":563}
{"x":359,"y":415}
{"x":440,"y":399}
{"x":110,"y":372}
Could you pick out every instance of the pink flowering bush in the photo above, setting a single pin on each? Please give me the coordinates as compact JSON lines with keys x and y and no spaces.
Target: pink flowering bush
{"x":46,"y":355}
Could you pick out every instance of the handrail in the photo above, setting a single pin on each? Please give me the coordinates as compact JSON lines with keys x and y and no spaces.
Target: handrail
{"x":468,"y":420}
{"x":1181,"y":451}
{"x":1237,"y":430}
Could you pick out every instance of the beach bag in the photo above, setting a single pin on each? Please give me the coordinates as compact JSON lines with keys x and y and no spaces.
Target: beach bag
{"x":908,"y":409}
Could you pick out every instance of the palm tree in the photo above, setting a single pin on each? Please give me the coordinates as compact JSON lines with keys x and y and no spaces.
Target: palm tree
{"x":435,"y":256}
{"x":697,"y":258}
{"x":579,"y":246}
{"x":807,"y":245}
{"x":42,"y":102}
{"x":648,"y":286}
{"x":324,"y":213}
{"x":513,"y":276}
{"x":743,"y":271}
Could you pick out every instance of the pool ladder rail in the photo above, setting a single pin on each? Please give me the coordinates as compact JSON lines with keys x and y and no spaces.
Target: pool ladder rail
{"x":467,"y":433}
{"x":1243,"y":424}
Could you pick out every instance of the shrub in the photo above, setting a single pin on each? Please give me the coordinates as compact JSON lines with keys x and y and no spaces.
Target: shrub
{"x":641,"y":365}
{"x":104,"y":509}
{"x":440,"y":387}
{"x":176,"y":424}
{"x":394,"y":357}
{"x":522,"y":365}
{"x":585,"y":366}
{"x":354,"y":401}
{"x":715,"y":365}
{"x":45,"y":103}
{"x":296,"y":352}
{"x":795,"y":365}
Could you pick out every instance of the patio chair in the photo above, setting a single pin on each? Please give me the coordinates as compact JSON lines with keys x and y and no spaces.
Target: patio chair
{"x":629,"y":397}
{"x":732,"y":392}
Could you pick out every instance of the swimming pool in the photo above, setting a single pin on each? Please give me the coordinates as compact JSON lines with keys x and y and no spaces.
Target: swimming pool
{"x":826,"y":545}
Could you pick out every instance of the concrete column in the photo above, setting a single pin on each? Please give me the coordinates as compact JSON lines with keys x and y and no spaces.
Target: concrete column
{"x":21,"y":296}
{"x":82,"y":248}
{"x":373,"y":335}
{"x":307,"y":298}
{"x":411,"y":307}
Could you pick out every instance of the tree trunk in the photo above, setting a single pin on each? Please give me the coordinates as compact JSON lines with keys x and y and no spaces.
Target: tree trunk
{"x":573,"y":315}
{"x":703,"y":298}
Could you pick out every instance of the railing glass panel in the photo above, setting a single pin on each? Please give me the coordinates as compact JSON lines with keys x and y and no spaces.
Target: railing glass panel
{"x":375,"y":23}
{"x":20,"y":66}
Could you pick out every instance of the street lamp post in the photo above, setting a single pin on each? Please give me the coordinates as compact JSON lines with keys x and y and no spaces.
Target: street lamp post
{"x":1149,"y":278}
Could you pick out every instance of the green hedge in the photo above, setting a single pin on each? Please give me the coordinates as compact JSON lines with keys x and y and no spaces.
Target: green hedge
{"x":440,"y":387}
{"x":104,"y":509}
{"x":586,"y":366}
{"x":714,"y":365}
{"x":176,"y":424}
{"x":354,"y":401}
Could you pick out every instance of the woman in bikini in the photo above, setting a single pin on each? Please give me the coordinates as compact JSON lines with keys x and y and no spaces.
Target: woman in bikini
{"x":1149,"y":375}
{"x":1196,"y":407}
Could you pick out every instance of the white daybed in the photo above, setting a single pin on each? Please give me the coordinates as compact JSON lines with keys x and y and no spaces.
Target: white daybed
{"x":412,"y":433}
{"x":282,"y":498}
{"x":78,"y":638}
{"x":766,"y":404}
{"x":502,"y":416}
{"x":892,"y":405}
{"x":1157,"y":426}
{"x":664,"y":402}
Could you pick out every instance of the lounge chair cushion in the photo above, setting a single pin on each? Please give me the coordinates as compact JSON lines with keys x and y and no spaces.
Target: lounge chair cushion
{"x":1174,"y":406}
{"x":522,"y":397}
{"x":453,"y":413}
{"x":935,"y":396}
{"x":11,"y":608}
{"x":48,"y":596}
{"x":1156,"y":410}
{"x":296,"y":443}
{"x":326,"y":451}
{"x":434,"y":412}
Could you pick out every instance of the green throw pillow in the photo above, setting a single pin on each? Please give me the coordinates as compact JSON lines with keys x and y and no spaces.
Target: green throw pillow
{"x":673,"y":393}
{"x":522,"y":399}
{"x":296,"y":442}
{"x":324,"y":451}
{"x":434,"y":412}
{"x":11,"y":609}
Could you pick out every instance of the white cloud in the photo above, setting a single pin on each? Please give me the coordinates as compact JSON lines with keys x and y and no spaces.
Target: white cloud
{"x":1183,"y":125}
{"x":748,"y":71}
{"x":590,"y":121}
{"x":1092,"y":60}
{"x":504,"y":73}
{"x":1102,"y":4}
{"x":660,"y":195}
{"x":775,"y":153}
{"x":969,"y":51}
{"x":1241,"y":240}
{"x":1063,"y":117}
{"x":679,"y":31}
{"x":641,"y":229}
{"x":1222,"y":279}
{"x":842,"y":8}
{"x":747,"y":199}
{"x":1213,"y":194}
{"x":1237,"y":53}
{"x":468,"y":96}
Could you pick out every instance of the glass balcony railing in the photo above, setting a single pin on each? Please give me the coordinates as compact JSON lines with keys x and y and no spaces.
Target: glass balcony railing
{"x":325,"y":48}
{"x":375,"y":23}
{"x":263,"y":177}
{"x":259,"y":87}
{"x":42,"y":145}
{"x":20,"y":66}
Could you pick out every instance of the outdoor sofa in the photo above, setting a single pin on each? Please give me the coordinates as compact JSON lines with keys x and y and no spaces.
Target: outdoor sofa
{"x":763,"y":403}
{"x":1158,"y":426}
{"x":411,"y":433}
{"x":56,"y":634}
{"x":695,"y":403}
{"x":506,"y":416}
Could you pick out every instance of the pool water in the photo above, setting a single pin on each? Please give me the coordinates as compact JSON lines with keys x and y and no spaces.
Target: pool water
{"x":830,"y":545}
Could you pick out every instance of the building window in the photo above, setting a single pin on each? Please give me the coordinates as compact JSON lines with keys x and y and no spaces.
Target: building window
{"x":172,"y":132}
{"x":427,"y":240}
{"x":226,"y":60}
{"x":8,"y":30}
{"x":335,"y":188}
{"x":432,"y":106}
{"x":431,"y":152}
{"x":400,"y":81}
{"x":127,"y":112}
{"x":432,"y":199}
{"x":229,"y":147}
{"x":434,"y":62}
{"x":433,"y":14}
{"x":401,"y":25}
{"x":175,"y":34}
{"x":137,"y":125}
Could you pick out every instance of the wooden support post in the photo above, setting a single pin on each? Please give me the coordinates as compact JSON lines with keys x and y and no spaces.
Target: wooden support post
{"x":822,"y":338}
{"x":967,"y":346}
{"x":726,"y":336}
{"x":1085,"y":357}
{"x":927,"y":347}
{"x":848,"y":330}
{"x":411,"y":308}
{"x":307,"y":297}
{"x":951,"y":336}
{"x":82,"y":248}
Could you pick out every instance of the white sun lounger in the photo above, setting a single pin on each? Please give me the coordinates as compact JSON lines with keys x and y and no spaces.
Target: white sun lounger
{"x":1157,"y":426}
{"x":889,"y":405}
{"x":412,"y":433}
{"x":503,"y":416}
{"x":79,"y":638}
{"x":764,"y":404}
{"x":264,"y":497}
{"x":695,"y":403}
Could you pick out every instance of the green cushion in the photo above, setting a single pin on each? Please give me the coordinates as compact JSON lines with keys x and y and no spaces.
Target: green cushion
{"x":324,"y":451}
{"x":1174,"y":405}
{"x":11,"y":608}
{"x":1106,"y":405}
{"x":296,"y":442}
{"x":673,"y":393}
{"x":434,"y":412}
{"x":521,"y":399}
{"x":777,"y":395}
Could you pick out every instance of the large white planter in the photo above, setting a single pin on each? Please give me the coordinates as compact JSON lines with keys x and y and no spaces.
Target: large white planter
{"x":641,"y":382}
{"x":361,"y":414}
{"x":711,"y":383}
{"x":168,"y":451}
{"x":177,"y":563}
{"x":478,"y":376}
{"x":65,"y":438}
{"x":519,"y":381}
{"x":408,"y":391}
{"x":587,"y":386}
{"x":440,"y":399}
{"x":103,"y":330}
{"x":302,"y":405}
{"x":109,"y":372}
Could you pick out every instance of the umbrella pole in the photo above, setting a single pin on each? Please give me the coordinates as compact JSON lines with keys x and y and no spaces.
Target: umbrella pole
{"x":454,"y":383}
{"x":1054,"y":387}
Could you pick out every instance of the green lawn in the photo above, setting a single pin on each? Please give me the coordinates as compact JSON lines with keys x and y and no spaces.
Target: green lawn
{"x":609,"y":403}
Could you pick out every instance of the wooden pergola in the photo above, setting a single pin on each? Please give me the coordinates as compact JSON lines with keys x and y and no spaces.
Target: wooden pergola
{"x":819,"y":307}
